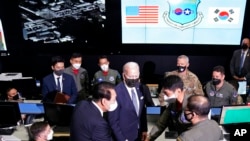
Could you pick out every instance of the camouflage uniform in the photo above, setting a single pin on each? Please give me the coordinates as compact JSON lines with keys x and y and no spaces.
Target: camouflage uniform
{"x":192,"y":85}
{"x":82,"y":82}
{"x":113,"y":76}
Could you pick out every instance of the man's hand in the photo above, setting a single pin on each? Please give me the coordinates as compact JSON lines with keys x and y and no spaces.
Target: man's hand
{"x":144,"y":136}
{"x":161,"y":99}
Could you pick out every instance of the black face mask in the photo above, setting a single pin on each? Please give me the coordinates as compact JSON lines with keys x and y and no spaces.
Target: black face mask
{"x":186,"y":116}
{"x":181,"y":68}
{"x":59,"y":72}
{"x":131,"y":82}
{"x":244,"y":46}
{"x":216,"y":81}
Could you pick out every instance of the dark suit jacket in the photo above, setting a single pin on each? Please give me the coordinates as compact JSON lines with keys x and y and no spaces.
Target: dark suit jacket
{"x":49,"y":88}
{"x":88,"y":125}
{"x":235,"y":64}
{"x":124,"y":120}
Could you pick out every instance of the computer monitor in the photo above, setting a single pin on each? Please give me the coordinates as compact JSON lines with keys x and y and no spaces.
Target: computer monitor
{"x":215,"y":111}
{"x":27,"y":87}
{"x":10,"y":114}
{"x":154,"y":110}
{"x":235,"y":115}
{"x":58,"y":114}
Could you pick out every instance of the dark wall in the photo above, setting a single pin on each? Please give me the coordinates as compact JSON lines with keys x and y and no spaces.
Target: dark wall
{"x":39,"y":66}
{"x":34,"y":59}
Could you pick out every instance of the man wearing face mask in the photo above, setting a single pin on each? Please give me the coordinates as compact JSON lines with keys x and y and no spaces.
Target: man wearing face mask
{"x":41,"y":131}
{"x":218,"y":90}
{"x":129,"y":120}
{"x":58,"y":82}
{"x":80,"y":76}
{"x":192,"y":84}
{"x":172,"y":117}
{"x":106,"y":73}
{"x":88,"y":123}
{"x":202,"y":129}
{"x":240,"y":62}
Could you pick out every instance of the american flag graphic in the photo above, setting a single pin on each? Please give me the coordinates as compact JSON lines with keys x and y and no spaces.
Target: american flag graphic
{"x":142,"y":14}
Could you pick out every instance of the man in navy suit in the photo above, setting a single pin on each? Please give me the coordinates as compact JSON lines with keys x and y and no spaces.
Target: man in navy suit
{"x":129,"y":121}
{"x":240,"y":62}
{"x":88,"y":123}
{"x":58,"y":82}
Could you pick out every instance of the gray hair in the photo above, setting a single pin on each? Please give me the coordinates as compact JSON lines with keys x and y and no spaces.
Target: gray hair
{"x":183,"y":57}
{"x":129,"y":65}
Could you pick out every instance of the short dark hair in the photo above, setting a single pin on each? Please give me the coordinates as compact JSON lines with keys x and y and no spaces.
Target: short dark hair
{"x":56,"y":59}
{"x":199,"y":104}
{"x":103,"y":57}
{"x":101,"y":90}
{"x":75,"y":55}
{"x":36,"y":128}
{"x":172,"y":82}
{"x":219,"y":69}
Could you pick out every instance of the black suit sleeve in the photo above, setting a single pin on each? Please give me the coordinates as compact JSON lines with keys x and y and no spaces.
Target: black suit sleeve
{"x":102,"y":133}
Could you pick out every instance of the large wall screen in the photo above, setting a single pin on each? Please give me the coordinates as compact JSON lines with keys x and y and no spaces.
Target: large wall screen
{"x":212,"y":22}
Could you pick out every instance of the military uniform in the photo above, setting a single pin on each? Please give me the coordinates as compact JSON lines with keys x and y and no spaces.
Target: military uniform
{"x":226,"y":95}
{"x":206,"y":130}
{"x":171,"y":118}
{"x":81,"y":80}
{"x":192,"y":85}
{"x":113,"y":76}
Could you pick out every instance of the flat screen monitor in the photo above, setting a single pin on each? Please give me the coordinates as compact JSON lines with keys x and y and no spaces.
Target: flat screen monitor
{"x":242,"y":90}
{"x":62,"y":21}
{"x":31,"y":108}
{"x":10,"y":114}
{"x":58,"y":114}
{"x":235,"y":115}
{"x":207,"y":22}
{"x":3,"y":46}
{"x":215,"y":111}
{"x":154,"y":110}
{"x":27,"y":87}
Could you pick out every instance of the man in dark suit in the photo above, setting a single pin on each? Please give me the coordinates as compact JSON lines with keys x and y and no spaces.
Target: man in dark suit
{"x":88,"y":123}
{"x":58,"y":82}
{"x":129,"y":121}
{"x":240,"y":62}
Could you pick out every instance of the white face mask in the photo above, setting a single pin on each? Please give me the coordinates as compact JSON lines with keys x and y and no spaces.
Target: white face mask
{"x":105,"y":67}
{"x":173,"y":96}
{"x":170,"y":99}
{"x":113,"y":106}
{"x":76,"y":66}
{"x":50,"y":135}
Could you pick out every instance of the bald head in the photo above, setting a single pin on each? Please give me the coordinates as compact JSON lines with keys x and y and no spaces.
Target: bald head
{"x":198,"y":104}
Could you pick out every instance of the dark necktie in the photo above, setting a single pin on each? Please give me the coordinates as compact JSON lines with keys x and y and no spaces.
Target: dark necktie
{"x":241,"y":62}
{"x":58,"y":84}
{"x":134,"y":100}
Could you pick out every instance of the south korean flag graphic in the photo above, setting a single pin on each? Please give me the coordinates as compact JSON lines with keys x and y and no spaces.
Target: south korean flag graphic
{"x":223,"y":15}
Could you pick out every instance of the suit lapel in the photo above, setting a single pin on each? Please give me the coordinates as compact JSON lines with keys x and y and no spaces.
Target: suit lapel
{"x":52,"y":80}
